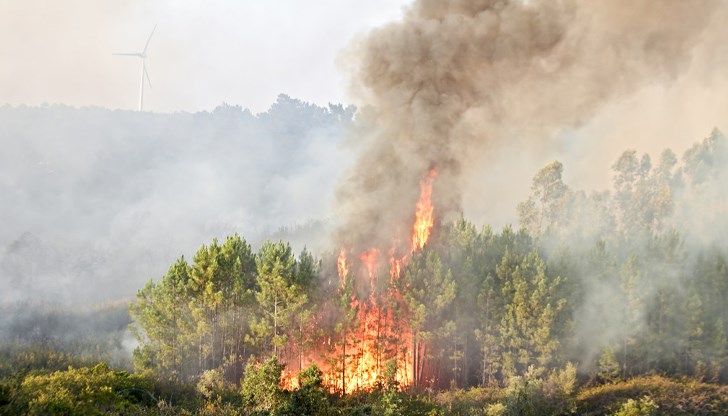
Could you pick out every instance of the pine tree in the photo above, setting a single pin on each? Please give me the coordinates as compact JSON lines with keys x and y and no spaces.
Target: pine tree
{"x":528,"y":325}
{"x":544,"y":209}
{"x":164,"y":323}
{"x":278,"y":296}
{"x":632,"y":327}
{"x":489,"y":308}
{"x":429,"y":294}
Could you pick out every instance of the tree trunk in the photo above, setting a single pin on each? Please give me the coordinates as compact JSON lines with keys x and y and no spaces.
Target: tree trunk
{"x":414,"y":359}
{"x":422,"y":356}
{"x":275,"y":325}
{"x":343,"y":365}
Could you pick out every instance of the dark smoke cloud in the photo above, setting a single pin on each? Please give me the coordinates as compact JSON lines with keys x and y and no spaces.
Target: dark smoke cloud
{"x":456,"y":79}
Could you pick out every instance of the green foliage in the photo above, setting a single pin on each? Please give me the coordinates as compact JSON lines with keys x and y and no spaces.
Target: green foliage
{"x":15,"y":358}
{"x":310,"y":398}
{"x":430,"y":291}
{"x":473,"y":401}
{"x":101,"y":390}
{"x":194,"y":319}
{"x":260,"y":388}
{"x":39,"y":335}
{"x":96,"y":390}
{"x":609,"y":366}
{"x":211,"y":385}
{"x":495,"y":409}
{"x":545,"y":207}
{"x":390,"y":375}
{"x":311,"y":378}
{"x":644,"y":406}
{"x":531,"y":312}
{"x":675,"y":397}
{"x":162,"y":311}
{"x":391,"y":402}
{"x":279,"y":297}
{"x":531,"y":394}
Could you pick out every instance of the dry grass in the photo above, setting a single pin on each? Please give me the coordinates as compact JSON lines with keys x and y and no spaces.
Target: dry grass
{"x":675,"y":397}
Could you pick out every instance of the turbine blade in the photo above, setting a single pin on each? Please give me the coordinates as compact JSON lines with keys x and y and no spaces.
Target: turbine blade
{"x":144,"y":52}
{"x":146,"y":74}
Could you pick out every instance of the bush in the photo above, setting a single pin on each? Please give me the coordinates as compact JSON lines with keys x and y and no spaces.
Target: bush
{"x":211,"y":385}
{"x":533,"y":395}
{"x":645,"y":406}
{"x":259,"y":388}
{"x":495,"y":409}
{"x":391,"y":402}
{"x":85,"y":390}
{"x":468,"y":402}
{"x":310,"y":398}
{"x":675,"y":397}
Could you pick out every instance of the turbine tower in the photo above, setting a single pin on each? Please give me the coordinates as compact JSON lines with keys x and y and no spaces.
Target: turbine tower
{"x":144,"y":74}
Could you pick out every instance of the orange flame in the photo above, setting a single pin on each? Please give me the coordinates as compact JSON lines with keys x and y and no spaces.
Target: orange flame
{"x":289,"y":380}
{"x":423,"y":214}
{"x":366,"y":345}
{"x":369,"y":259}
{"x":343,"y":268}
{"x":379,"y":329}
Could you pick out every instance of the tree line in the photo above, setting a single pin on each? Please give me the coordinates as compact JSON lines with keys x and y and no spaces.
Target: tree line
{"x":614,"y":282}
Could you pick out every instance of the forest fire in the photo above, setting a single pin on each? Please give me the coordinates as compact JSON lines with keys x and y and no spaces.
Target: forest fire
{"x":376,"y":330}
{"x":423,"y":218}
{"x":343,"y":267}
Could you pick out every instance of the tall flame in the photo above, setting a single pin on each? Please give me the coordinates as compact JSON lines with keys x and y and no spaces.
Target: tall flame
{"x":379,"y":329}
{"x":343,"y":267}
{"x":369,"y":258}
{"x":423,"y":215}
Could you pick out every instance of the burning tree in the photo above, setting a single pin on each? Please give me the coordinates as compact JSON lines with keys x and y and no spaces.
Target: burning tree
{"x":379,"y":320}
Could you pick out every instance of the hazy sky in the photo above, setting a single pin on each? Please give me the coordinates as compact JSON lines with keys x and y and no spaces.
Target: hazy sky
{"x":203,"y":53}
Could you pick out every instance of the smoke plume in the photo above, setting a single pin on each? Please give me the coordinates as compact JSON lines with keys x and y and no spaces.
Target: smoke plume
{"x":455,"y":79}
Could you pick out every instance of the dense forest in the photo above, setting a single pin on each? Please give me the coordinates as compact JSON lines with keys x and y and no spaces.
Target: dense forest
{"x":607,"y":302}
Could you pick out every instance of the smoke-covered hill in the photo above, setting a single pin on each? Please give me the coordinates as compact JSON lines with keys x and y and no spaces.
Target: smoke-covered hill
{"x":95,"y":202}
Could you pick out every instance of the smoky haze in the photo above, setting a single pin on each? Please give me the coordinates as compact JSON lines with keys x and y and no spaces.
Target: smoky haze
{"x":485,"y":90}
{"x":97,"y":202}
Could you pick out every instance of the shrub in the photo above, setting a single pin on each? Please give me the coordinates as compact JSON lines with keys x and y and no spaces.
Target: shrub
{"x":675,"y":397}
{"x":533,"y":395}
{"x":645,"y":406}
{"x":86,"y":390}
{"x":310,"y":398}
{"x":259,"y":388}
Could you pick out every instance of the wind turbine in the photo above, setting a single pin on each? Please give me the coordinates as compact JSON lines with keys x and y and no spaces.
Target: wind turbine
{"x":144,"y":74}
